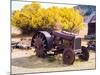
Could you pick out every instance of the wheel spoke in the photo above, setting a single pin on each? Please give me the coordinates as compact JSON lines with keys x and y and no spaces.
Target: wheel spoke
{"x":40,"y":45}
{"x":68,"y":57}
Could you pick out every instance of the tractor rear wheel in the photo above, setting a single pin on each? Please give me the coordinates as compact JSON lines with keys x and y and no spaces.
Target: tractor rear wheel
{"x":40,"y":44}
{"x":85,"y":54}
{"x":68,"y":57}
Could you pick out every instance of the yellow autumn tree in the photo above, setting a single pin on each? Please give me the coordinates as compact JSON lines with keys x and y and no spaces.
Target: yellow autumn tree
{"x":35,"y":17}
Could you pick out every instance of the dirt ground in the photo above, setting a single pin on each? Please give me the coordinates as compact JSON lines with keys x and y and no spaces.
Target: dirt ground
{"x":25,"y":61}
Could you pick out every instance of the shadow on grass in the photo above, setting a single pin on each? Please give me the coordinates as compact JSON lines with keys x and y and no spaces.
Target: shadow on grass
{"x":35,"y":62}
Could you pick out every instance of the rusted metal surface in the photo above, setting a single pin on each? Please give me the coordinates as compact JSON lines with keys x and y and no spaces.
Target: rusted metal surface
{"x":68,"y":56}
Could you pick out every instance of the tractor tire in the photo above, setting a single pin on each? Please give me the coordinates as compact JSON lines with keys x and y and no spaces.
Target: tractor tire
{"x":40,"y":43}
{"x":68,"y":56}
{"x":85,"y":54}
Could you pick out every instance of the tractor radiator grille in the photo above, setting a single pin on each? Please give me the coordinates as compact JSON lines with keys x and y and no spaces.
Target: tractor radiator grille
{"x":77,"y":43}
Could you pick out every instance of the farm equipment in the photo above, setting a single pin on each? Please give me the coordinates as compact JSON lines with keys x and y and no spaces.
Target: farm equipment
{"x":21,"y":44}
{"x":91,"y":36}
{"x":65,"y":43}
{"x":91,"y":44}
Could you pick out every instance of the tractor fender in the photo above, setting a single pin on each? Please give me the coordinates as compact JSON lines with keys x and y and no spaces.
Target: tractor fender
{"x":47,"y":36}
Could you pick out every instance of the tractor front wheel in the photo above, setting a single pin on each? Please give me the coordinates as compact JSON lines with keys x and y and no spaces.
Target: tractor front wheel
{"x":68,"y":57}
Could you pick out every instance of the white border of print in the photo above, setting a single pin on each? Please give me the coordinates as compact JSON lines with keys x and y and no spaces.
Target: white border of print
{"x":5,"y":38}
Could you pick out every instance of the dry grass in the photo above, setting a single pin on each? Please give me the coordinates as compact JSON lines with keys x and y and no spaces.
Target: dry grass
{"x":25,"y":61}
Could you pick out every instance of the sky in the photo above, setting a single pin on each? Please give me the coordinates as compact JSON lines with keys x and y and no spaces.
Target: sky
{"x":17,"y":5}
{"x":87,"y":2}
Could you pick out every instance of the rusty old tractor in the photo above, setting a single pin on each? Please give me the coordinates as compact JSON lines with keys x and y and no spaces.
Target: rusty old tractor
{"x":65,"y":43}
